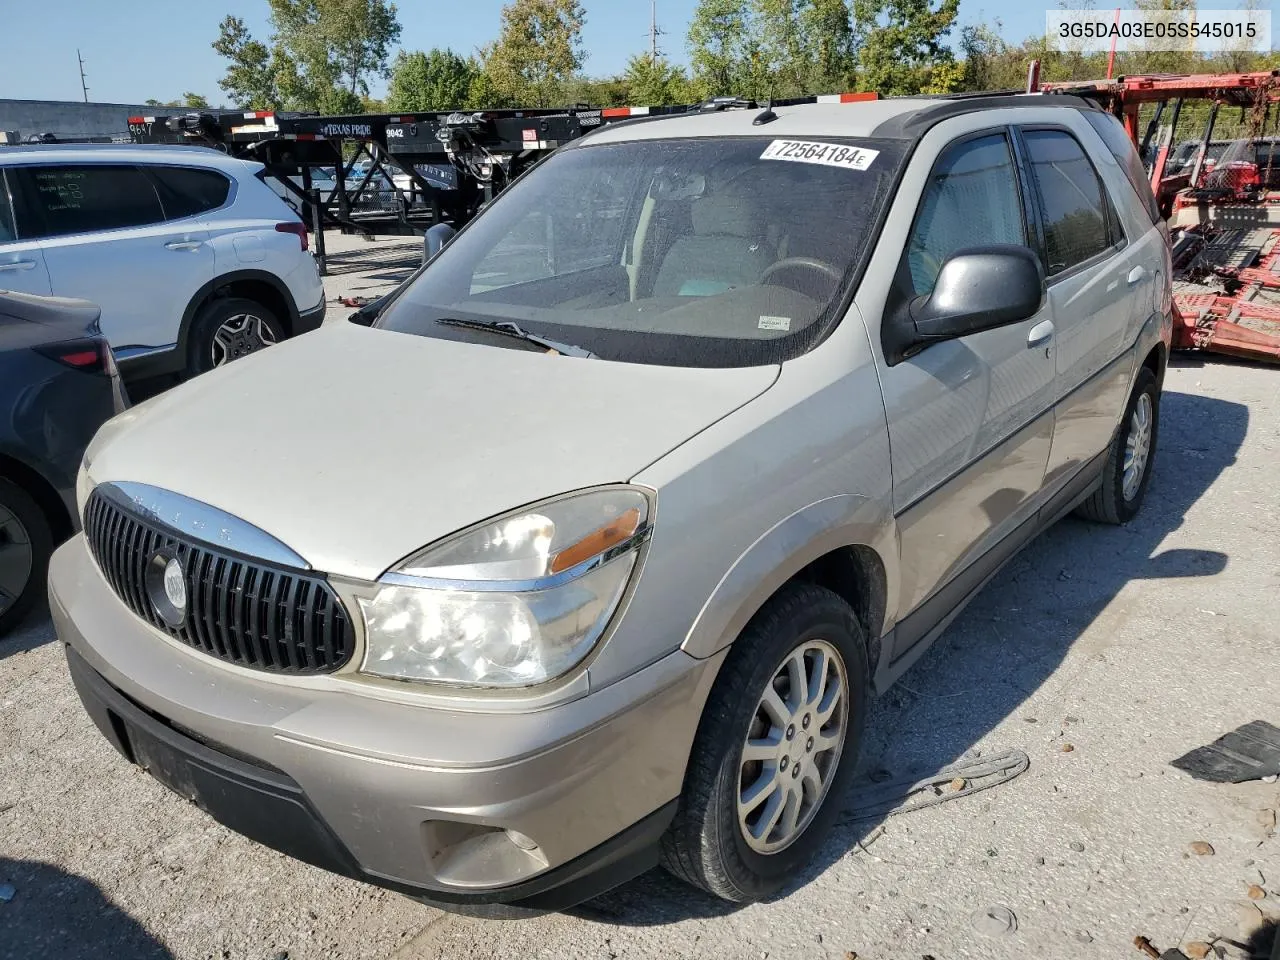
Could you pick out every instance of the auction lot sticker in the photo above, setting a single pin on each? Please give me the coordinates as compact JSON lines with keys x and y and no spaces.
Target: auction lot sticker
{"x":827,"y":154}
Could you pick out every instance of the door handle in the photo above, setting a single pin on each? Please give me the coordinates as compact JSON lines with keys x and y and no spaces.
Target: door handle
{"x":17,"y":265}
{"x":1137,"y":274}
{"x":184,"y":244}
{"x":1040,"y":334}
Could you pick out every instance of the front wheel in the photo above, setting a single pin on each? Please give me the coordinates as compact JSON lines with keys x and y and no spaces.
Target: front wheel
{"x":1128,"y":469}
{"x":228,"y":329}
{"x":775,"y":749}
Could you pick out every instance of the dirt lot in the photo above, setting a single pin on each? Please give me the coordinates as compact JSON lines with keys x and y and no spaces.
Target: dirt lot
{"x":1130,"y":646}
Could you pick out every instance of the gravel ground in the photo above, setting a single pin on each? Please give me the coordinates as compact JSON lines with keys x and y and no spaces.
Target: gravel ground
{"x":1130,"y":646}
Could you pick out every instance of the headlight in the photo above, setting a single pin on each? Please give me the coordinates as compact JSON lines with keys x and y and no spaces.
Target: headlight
{"x":513,"y":603}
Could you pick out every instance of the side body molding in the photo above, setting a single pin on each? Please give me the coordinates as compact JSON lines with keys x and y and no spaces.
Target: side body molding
{"x":786,"y":549}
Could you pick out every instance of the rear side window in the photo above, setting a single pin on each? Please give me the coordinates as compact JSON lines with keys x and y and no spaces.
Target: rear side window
{"x":61,"y":200}
{"x":185,"y":191}
{"x":1071,"y":199}
{"x":1112,"y":132}
{"x":971,"y":200}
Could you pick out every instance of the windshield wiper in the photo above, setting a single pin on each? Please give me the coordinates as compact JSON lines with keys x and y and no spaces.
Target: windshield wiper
{"x":509,"y":328}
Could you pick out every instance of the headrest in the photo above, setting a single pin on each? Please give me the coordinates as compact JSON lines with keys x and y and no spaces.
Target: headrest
{"x":726,"y":214}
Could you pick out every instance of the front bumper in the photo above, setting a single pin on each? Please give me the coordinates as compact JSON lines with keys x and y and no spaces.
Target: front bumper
{"x":420,"y":800}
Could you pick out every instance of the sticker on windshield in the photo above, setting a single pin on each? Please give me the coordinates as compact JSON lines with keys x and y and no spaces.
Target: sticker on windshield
{"x":775,"y":323}
{"x":827,"y":154}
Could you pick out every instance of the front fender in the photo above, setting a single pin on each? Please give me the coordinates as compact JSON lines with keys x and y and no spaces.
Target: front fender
{"x":786,"y":549}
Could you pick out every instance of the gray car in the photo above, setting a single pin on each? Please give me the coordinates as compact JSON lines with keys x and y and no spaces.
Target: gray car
{"x":58,"y":385}
{"x":590,"y":552}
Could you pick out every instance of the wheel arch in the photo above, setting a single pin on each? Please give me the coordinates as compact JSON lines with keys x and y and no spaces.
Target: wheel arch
{"x":1157,"y":360}
{"x":258,"y":285}
{"x":61,"y":520}
{"x":839,"y":543}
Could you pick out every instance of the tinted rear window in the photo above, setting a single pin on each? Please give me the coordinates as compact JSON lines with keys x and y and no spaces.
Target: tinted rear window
{"x":1075,"y":214}
{"x":83,"y":198}
{"x":1112,"y":132}
{"x":185,"y":191}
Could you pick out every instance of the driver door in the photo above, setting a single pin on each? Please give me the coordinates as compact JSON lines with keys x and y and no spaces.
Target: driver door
{"x":971,"y":419}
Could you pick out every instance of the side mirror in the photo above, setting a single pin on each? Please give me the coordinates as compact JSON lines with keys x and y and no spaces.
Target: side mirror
{"x":435,"y":239}
{"x":978,"y":289}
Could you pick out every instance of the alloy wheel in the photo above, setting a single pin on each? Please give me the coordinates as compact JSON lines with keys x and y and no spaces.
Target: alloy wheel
{"x":1137,"y":447}
{"x":239,"y":336}
{"x":15,"y":558}
{"x":792,"y":747}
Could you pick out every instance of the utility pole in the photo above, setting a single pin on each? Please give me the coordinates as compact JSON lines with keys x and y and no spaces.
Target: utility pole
{"x":655,"y":31}
{"x":82,"y":84}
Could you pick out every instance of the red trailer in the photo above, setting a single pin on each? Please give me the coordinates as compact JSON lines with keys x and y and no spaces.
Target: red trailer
{"x":1221,"y":198}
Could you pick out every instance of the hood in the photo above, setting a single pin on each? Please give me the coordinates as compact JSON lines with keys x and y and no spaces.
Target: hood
{"x":357,"y":447}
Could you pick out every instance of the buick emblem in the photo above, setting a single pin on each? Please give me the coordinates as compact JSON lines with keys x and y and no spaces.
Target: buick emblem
{"x":175,"y":584}
{"x":166,"y":584}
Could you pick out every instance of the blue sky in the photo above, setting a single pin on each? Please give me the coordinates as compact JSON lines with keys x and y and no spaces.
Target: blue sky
{"x":135,"y":50}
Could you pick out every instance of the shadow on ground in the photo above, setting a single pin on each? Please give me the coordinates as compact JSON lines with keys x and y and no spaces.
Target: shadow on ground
{"x":1012,"y":637}
{"x":398,"y":255}
{"x":55,"y":914}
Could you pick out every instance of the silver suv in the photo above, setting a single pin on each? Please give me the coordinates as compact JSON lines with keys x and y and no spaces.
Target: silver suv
{"x":590,"y":552}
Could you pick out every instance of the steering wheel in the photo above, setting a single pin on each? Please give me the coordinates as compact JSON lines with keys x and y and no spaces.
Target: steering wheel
{"x":805,"y":263}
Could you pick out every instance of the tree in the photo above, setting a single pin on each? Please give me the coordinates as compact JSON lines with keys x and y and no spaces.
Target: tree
{"x":771,"y":48}
{"x":249,"y":80}
{"x":321,"y":54}
{"x":195,"y":101}
{"x":827,"y":30}
{"x":900,"y":43}
{"x":720,"y":47}
{"x":538,"y":51}
{"x":988,"y":62}
{"x":436,"y":80}
{"x":657,"y":83}
{"x":779,"y":67}
{"x":342,"y":41}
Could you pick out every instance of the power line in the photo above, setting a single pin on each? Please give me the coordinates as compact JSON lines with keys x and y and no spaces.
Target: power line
{"x":83,"y":88}
{"x":655,"y":31}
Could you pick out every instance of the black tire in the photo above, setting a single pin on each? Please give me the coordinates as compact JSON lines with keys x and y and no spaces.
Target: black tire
{"x":704,"y":845}
{"x":200,"y":340}
{"x":1108,"y":503}
{"x":22,"y":522}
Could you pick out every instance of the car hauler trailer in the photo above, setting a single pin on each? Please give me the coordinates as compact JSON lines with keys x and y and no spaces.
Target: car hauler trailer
{"x":400,"y":173}
{"x":1221,"y":198}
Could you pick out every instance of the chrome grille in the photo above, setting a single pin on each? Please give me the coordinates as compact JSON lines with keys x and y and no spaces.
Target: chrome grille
{"x":238,"y":609}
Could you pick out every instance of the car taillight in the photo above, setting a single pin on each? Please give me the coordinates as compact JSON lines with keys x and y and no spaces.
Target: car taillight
{"x":90,"y":354}
{"x":298,"y":229}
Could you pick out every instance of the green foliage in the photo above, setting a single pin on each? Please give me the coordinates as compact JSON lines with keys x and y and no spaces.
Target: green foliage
{"x":320,"y":56}
{"x":827,"y":29}
{"x":657,"y":83}
{"x":436,"y":80}
{"x":900,"y":43}
{"x":721,"y":47}
{"x":538,"y":51}
{"x":771,"y":48}
{"x":601,"y":92}
{"x":249,"y":80}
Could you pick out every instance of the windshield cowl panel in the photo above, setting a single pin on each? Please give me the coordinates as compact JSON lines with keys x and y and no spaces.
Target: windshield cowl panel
{"x":696,"y":252}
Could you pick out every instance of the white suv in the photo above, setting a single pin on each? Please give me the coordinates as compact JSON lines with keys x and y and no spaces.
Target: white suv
{"x":192,"y":258}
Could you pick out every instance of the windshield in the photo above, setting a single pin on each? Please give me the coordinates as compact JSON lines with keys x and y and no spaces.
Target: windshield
{"x":725,"y":252}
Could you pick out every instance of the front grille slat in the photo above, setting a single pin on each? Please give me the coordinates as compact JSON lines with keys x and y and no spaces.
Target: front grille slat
{"x":247,"y":612}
